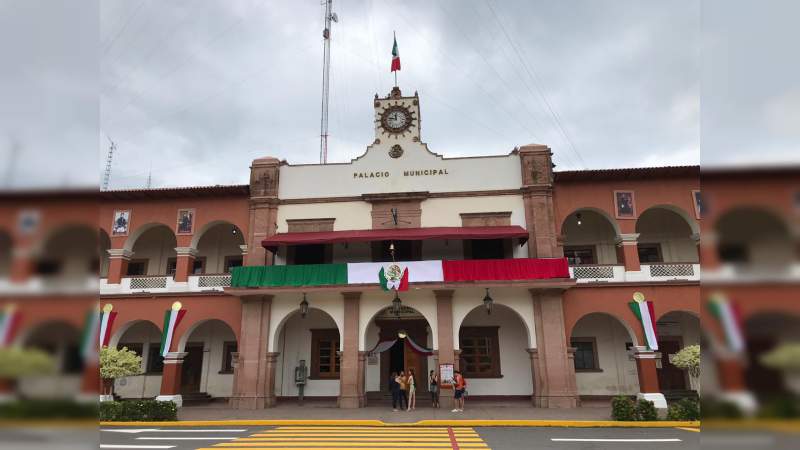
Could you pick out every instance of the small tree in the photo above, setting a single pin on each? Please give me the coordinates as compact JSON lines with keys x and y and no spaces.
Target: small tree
{"x":16,"y":363}
{"x":786,"y":358}
{"x":688,"y":359}
{"x":118,"y":364}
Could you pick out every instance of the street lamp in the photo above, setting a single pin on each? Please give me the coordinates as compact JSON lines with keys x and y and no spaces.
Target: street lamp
{"x":304,"y":307}
{"x":578,"y":216}
{"x":396,"y":304}
{"x":487,"y":302}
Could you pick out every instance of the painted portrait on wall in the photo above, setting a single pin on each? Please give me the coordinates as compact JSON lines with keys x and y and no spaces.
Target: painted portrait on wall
{"x":122,"y":222}
{"x":185,"y":221}
{"x":624,"y":205}
{"x":699,"y":204}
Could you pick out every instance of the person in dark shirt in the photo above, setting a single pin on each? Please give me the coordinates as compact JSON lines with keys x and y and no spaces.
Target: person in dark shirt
{"x":394,"y":388}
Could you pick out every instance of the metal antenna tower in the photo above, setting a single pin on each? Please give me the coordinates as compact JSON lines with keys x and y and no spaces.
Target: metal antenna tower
{"x":107,"y":175}
{"x":326,"y":73}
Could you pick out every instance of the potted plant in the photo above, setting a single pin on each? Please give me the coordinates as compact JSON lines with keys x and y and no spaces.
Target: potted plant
{"x":117,"y":363}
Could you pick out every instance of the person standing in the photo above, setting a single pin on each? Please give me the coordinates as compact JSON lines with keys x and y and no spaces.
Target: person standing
{"x":412,"y":390}
{"x":401,"y":381}
{"x":394,"y":388}
{"x":433,"y":387}
{"x":460,"y":389}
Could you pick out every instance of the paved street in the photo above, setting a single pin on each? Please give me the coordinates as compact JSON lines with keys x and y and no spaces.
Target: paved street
{"x":393,"y":438}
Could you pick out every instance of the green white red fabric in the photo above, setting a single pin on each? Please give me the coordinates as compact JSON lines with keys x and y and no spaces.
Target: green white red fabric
{"x":393,"y":276}
{"x":395,"y":56}
{"x":382,"y":346}
{"x":9,"y":324}
{"x":172,"y":318}
{"x":730,"y":318}
{"x":646,"y":315}
{"x":106,"y":322}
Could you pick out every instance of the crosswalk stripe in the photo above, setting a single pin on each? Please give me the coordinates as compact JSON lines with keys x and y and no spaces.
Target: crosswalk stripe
{"x":358,"y":433}
{"x":356,"y":439}
{"x":355,"y":444}
{"x":290,"y":447}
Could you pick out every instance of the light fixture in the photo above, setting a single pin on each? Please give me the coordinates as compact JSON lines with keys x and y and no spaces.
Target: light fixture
{"x":487,"y":302}
{"x":234,"y":231}
{"x":578,"y":216}
{"x":304,"y":307}
{"x":402,"y":334}
{"x":396,"y":304}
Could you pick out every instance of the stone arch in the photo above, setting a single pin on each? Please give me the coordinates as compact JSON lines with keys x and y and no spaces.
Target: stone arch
{"x":59,"y":338}
{"x":118,"y":335}
{"x":754,"y":235}
{"x":140,"y":335}
{"x":521,"y":306}
{"x":422,"y":302}
{"x":208,"y":367}
{"x":596,"y":229}
{"x":187,"y":334}
{"x":672,"y":230}
{"x":215,"y":241}
{"x":70,"y":249}
{"x":691,"y":222}
{"x":134,"y":236}
{"x":158,"y":252}
{"x":763,"y":332}
{"x":282,"y":311}
{"x":628,"y":328}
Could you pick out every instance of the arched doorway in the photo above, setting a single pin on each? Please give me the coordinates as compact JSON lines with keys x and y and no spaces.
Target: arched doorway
{"x":144,"y":338}
{"x":665,"y":236}
{"x":219,"y":248}
{"x":61,"y":341}
{"x":493,"y":352}
{"x":603,"y":365}
{"x":397,"y":341}
{"x":207,"y":370}
{"x":315,"y":341}
{"x":590,"y":237}
{"x":676,"y":330}
{"x":763,"y":333}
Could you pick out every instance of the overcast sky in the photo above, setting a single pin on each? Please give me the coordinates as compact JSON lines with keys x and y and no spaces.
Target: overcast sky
{"x":192,"y":90}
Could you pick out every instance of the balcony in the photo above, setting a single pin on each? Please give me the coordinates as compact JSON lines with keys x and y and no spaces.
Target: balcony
{"x":651,"y":272}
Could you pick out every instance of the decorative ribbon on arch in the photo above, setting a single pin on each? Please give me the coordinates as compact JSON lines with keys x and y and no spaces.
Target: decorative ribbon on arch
{"x":382,"y":346}
{"x":643,"y":310}
{"x":9,"y":324}
{"x":172,"y":317}
{"x":727,"y":313}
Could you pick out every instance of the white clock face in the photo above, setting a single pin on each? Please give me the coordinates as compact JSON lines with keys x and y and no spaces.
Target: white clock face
{"x":396,"y":119}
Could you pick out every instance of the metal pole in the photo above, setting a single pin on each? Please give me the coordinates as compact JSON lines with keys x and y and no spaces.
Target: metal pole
{"x":326,"y":69}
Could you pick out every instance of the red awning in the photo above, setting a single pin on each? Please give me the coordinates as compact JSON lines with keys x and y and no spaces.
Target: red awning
{"x":397,"y":234}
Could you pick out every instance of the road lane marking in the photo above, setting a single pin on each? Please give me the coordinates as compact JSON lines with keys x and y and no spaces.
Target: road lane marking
{"x":184,"y":438}
{"x":160,"y":430}
{"x":612,"y":440}
{"x":135,"y":446}
{"x":695,"y":430}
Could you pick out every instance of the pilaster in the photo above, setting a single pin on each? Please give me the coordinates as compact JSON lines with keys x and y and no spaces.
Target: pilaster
{"x":349,"y":390}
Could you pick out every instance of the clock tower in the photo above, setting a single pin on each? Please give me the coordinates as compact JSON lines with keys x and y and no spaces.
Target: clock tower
{"x":397,"y":118}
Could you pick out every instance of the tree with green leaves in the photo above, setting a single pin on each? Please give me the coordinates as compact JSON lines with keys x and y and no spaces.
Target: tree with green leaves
{"x":118,"y":363}
{"x":688,"y":359}
{"x":16,"y":363}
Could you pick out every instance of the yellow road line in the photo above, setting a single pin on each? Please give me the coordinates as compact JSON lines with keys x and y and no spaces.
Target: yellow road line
{"x":696,"y":430}
{"x":366,"y":433}
{"x":337,"y":448}
{"x":356,"y":439}
{"x":354,"y":444}
{"x":421,"y":423}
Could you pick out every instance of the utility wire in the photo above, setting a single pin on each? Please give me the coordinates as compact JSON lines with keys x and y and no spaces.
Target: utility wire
{"x":123,"y":28}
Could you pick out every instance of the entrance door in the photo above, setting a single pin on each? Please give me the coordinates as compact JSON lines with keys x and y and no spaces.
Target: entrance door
{"x":192,"y":368}
{"x":401,"y":356}
{"x":670,"y":378}
{"x":413,"y":360}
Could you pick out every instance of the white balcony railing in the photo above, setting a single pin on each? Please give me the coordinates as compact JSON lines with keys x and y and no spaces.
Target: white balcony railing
{"x":211,"y":282}
{"x":600,"y":273}
{"x":597,"y":273}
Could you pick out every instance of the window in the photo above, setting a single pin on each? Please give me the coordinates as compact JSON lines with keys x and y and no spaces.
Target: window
{"x":309,"y":254}
{"x":585,"y":354}
{"x":137,"y":267}
{"x":577,"y":255}
{"x":480,"y":352}
{"x":650,"y":253}
{"x":48,"y":267}
{"x":155,"y":363}
{"x":486,"y":248}
{"x":231,"y":262}
{"x":198,"y":266}
{"x":324,"y":354}
{"x":733,"y":253}
{"x":134,"y":347}
{"x":228,"y":349}
{"x":73,"y":360}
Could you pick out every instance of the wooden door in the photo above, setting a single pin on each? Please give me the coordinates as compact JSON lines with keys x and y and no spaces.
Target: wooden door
{"x":192,"y":369}
{"x":670,"y":378}
{"x":419,"y":363}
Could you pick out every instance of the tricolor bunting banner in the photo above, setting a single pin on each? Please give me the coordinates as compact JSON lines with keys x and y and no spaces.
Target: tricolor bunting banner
{"x":172,"y":317}
{"x":91,"y":325}
{"x":730,"y":318}
{"x":107,"y":317}
{"x":643,"y":310}
{"x":9,"y":324}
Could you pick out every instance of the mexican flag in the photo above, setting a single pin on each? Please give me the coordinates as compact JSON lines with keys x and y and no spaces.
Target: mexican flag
{"x":395,"y":56}
{"x":727,"y":313}
{"x":9,"y":324}
{"x":172,"y":317}
{"x":644,"y":312}
{"x":394,"y":276}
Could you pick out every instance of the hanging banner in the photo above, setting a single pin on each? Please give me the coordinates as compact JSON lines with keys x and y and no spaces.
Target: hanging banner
{"x":172,"y":317}
{"x":644,"y":311}
{"x":382,"y":346}
{"x":107,"y":317}
{"x":9,"y":324}
{"x":418,"y":348}
{"x":727,"y":313}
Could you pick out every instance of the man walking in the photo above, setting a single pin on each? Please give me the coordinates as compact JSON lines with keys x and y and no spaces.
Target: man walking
{"x":460,"y":388}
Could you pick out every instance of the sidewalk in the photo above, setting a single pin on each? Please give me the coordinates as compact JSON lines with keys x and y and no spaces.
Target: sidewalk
{"x":477,"y":410}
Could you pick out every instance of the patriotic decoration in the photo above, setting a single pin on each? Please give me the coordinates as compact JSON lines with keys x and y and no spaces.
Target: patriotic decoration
{"x":107,"y":317}
{"x":91,"y":325}
{"x":395,"y":56}
{"x":727,"y":313}
{"x":383,"y":346}
{"x":172,"y":317}
{"x":9,"y":324}
{"x":643,"y":310}
{"x":393,"y":277}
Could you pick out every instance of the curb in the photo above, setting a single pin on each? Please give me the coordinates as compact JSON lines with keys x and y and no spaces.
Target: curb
{"x":421,"y":423}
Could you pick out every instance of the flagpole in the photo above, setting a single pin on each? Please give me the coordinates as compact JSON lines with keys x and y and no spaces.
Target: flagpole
{"x":394,"y":36}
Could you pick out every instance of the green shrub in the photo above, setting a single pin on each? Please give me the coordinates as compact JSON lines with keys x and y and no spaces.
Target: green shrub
{"x":138,"y":411}
{"x":47,"y":409}
{"x":623,"y":409}
{"x":646,"y":410}
{"x":712,"y":408}
{"x":685,"y":409}
{"x":785,"y":407}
